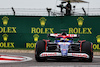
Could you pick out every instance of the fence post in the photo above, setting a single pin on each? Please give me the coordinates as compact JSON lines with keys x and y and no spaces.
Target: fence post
{"x":48,"y":10}
{"x":84,"y":11}
{"x":13,"y":11}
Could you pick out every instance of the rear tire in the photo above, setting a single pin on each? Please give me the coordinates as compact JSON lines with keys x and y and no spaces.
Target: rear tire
{"x":86,"y":47}
{"x":40,"y":47}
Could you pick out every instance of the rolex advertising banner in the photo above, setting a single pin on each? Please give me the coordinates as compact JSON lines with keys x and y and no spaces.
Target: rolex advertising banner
{"x":25,"y":31}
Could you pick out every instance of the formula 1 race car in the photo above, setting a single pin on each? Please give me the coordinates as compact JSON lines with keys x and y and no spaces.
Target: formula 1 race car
{"x":64,"y":47}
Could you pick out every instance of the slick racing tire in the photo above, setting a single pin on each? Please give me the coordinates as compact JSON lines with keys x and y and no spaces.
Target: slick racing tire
{"x":40,"y":47}
{"x":86,"y":47}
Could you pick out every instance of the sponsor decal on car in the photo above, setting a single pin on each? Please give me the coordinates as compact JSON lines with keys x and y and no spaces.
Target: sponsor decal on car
{"x":48,"y":54}
{"x":79,"y":55}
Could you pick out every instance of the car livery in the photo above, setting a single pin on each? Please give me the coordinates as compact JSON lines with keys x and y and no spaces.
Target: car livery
{"x":64,"y":46}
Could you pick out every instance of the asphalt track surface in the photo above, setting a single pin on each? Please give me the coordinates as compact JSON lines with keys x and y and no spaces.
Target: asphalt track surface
{"x":49,"y":63}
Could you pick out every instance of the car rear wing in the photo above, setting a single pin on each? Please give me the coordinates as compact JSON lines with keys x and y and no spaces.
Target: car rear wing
{"x":53,"y":35}
{"x":67,"y":35}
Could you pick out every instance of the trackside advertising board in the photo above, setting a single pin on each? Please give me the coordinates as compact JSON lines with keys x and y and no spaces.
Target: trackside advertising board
{"x":25,"y":31}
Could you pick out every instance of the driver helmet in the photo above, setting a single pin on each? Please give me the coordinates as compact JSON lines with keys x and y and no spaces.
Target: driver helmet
{"x":62,"y":39}
{"x":66,"y":39}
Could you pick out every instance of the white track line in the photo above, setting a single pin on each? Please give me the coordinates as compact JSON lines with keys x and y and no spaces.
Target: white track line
{"x":70,"y":66}
{"x":96,"y":56}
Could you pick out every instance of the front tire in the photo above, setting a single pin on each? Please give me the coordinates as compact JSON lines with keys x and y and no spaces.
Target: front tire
{"x":86,"y":47}
{"x":40,"y":47}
